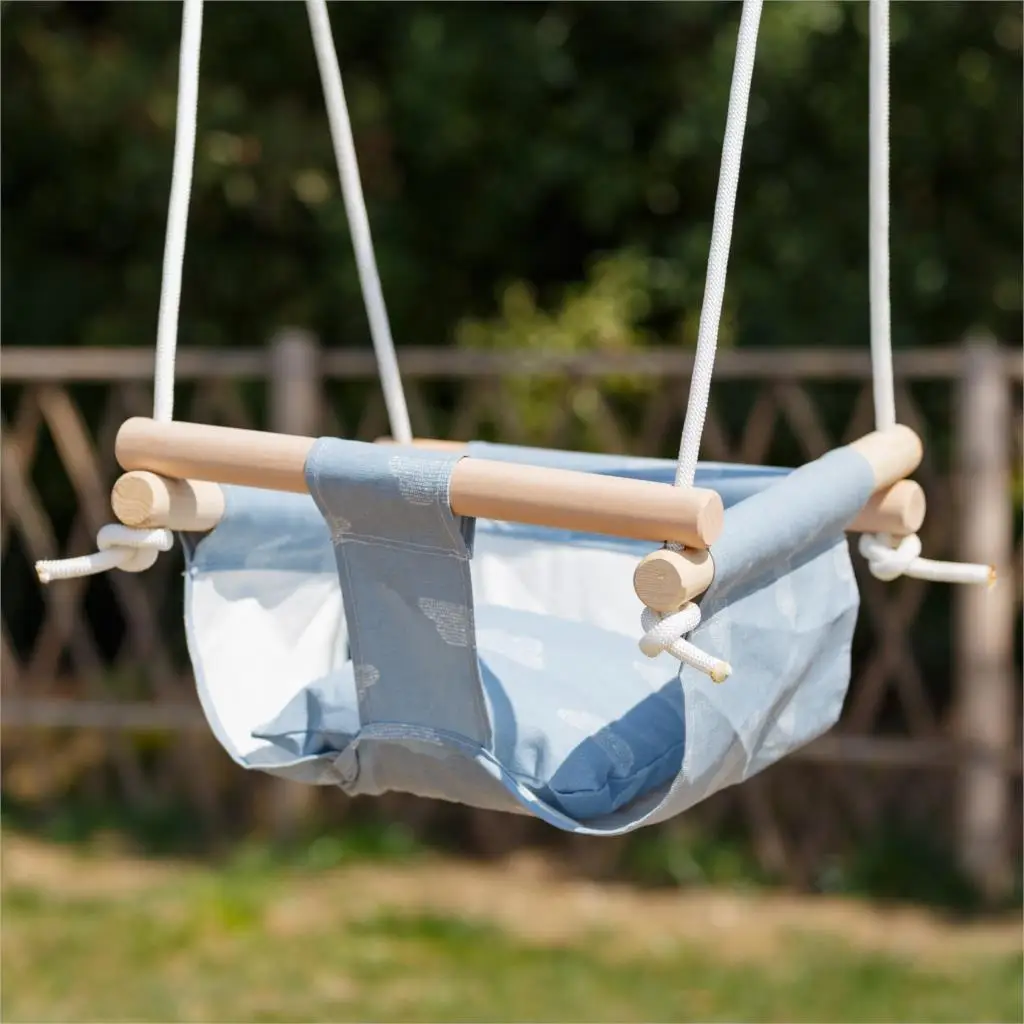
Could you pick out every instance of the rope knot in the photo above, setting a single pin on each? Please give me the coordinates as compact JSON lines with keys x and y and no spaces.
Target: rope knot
{"x":137,"y":549}
{"x":888,"y":560}
{"x":119,"y":547}
{"x":666,"y":632}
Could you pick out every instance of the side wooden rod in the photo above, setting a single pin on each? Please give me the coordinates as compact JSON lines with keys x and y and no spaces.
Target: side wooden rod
{"x":481,"y":488}
{"x":665,"y":580}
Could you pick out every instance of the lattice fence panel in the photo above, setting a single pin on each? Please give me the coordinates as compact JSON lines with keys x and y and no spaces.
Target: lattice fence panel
{"x":108,"y":652}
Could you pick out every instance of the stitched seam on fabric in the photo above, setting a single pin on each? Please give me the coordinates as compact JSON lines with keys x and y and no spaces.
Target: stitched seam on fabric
{"x":460,"y":550}
{"x":443,"y":494}
{"x":355,"y":644}
{"x":398,"y":731}
{"x":348,"y":597}
{"x":441,"y":484}
{"x":399,"y":545}
{"x":392,"y":731}
{"x":479,"y":704}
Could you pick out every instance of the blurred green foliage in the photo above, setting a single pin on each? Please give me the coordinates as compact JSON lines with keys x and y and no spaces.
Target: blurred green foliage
{"x":503,"y":147}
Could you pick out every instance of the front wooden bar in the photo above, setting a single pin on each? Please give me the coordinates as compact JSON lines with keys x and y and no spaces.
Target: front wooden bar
{"x":480,"y":488}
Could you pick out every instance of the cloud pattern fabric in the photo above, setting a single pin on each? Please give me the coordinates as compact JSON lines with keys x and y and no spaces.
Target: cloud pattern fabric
{"x":366,"y":637}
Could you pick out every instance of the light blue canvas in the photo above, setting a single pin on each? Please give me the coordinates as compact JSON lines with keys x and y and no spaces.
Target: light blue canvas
{"x":496,"y":706}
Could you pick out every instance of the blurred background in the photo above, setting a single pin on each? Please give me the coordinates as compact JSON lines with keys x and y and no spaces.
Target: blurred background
{"x":540,"y":180}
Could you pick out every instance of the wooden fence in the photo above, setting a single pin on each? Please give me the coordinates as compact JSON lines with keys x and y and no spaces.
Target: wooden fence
{"x":95,"y":678}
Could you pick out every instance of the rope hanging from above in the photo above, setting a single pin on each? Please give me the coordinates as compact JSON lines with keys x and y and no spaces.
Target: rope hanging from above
{"x":666,"y":632}
{"x":122,"y":547}
{"x":358,"y":222}
{"x":888,"y":558}
{"x":131,"y":550}
{"x":886,"y":561}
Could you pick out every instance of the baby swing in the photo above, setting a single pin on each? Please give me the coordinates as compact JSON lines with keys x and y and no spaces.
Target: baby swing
{"x":457,"y":621}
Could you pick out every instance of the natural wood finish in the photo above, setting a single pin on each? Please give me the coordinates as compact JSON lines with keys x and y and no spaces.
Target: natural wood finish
{"x":145,"y":500}
{"x":226,"y":455}
{"x":587,"y":502}
{"x":665,"y":580}
{"x":893,"y":453}
{"x":512,"y":492}
{"x":897,"y":510}
{"x":426,"y":442}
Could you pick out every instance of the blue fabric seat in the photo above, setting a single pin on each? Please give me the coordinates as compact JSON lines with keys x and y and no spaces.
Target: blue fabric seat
{"x":388,"y":644}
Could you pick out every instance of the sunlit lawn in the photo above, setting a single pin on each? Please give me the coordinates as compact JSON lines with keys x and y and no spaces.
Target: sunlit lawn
{"x":223,"y":944}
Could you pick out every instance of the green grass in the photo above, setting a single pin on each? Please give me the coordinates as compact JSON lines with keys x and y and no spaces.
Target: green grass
{"x":895,"y":861}
{"x":238,"y":943}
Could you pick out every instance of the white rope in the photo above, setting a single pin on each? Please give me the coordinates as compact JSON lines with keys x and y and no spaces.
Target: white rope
{"x":878,"y":215}
{"x":721,"y":238}
{"x":131,"y":550}
{"x":359,"y":224}
{"x":122,"y":547}
{"x":664,"y":633}
{"x":177,"y":213}
{"x":888,"y":558}
{"x":891,"y":557}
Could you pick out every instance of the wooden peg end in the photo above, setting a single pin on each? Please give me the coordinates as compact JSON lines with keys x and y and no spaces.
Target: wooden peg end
{"x":898,"y":510}
{"x":148,"y":501}
{"x":665,"y":580}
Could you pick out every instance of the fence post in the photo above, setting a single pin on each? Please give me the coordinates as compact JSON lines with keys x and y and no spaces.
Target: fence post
{"x":984,"y":622}
{"x":295,"y":395}
{"x":294,"y":408}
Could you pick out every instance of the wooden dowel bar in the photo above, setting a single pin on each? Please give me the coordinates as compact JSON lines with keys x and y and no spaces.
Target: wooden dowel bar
{"x":586,"y":502}
{"x":898,"y":510}
{"x":224,"y":455}
{"x":194,"y":459}
{"x":426,"y":442}
{"x":481,"y":488}
{"x":147,"y":501}
{"x":144,"y":499}
{"x":665,"y":580}
{"x":893,"y":453}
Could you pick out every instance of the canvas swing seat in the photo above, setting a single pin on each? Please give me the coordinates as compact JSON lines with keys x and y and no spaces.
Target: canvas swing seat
{"x":392,"y":645}
{"x":461,"y":623}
